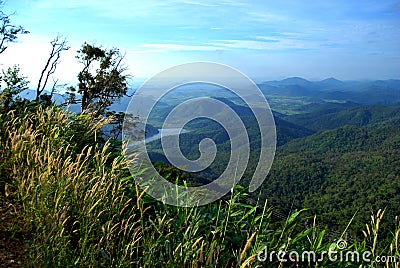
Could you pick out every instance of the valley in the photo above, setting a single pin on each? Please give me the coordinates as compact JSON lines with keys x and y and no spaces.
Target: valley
{"x":337,"y":158}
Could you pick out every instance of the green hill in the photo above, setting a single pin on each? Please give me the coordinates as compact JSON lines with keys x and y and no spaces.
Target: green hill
{"x":323,"y":119}
{"x":350,"y":165}
{"x":339,"y":172}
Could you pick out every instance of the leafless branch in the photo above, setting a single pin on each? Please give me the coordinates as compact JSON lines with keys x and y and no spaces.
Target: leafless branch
{"x":59,"y":45}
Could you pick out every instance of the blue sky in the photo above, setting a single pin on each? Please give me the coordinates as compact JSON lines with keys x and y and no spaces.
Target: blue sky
{"x":264,"y":39}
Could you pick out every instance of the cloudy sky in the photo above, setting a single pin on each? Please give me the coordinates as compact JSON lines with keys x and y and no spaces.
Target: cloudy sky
{"x":345,"y":39}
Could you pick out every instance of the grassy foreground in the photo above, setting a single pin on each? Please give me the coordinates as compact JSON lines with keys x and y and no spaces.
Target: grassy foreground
{"x":78,"y":206}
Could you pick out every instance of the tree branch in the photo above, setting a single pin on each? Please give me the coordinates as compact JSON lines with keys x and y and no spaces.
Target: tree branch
{"x":58,"y":45}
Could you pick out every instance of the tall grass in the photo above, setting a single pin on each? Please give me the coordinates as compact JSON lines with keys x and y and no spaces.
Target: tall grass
{"x":75,"y":204}
{"x":83,"y":208}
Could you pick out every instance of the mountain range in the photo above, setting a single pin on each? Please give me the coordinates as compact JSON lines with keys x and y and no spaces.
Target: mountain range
{"x":331,"y":90}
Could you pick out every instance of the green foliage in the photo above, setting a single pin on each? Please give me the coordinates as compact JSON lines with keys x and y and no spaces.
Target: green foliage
{"x":330,"y":118}
{"x":338,"y":172}
{"x":8,"y":32}
{"x":107,"y":82}
{"x":15,"y":83}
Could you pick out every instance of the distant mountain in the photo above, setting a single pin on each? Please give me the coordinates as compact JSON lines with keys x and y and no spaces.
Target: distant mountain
{"x":298,"y":81}
{"x":294,"y":86}
{"x":200,"y":129}
{"x":288,"y":90}
{"x":334,"y":83}
{"x":330,"y":83}
{"x":385,"y":92}
{"x":324,"y":119}
{"x":301,"y":91}
{"x":347,"y":139}
{"x":325,"y":107}
{"x":384,"y":84}
{"x":30,"y":94}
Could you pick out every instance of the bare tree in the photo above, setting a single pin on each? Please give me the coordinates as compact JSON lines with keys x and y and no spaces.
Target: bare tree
{"x":8,"y":32}
{"x":58,"y":45}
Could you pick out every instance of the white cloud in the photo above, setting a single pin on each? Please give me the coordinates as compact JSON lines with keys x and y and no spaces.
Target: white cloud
{"x":196,"y":3}
{"x":178,"y":47}
{"x":266,"y":43}
{"x":235,"y":3}
{"x":147,"y":51}
{"x":265,"y":17}
{"x":258,"y":42}
{"x":106,"y":8}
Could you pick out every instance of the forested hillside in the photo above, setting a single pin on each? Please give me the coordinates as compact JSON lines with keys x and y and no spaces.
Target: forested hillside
{"x":338,"y":160}
{"x":325,"y":118}
{"x":339,"y":172}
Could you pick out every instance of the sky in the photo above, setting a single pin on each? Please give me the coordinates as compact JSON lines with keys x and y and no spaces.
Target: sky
{"x":264,"y":39}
